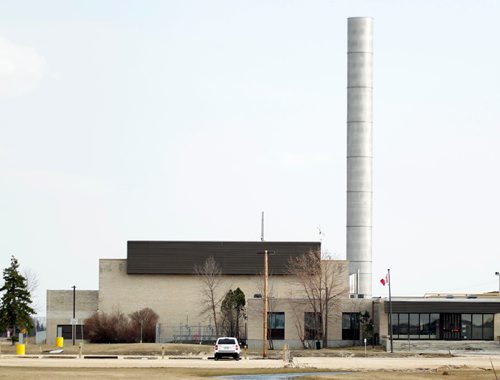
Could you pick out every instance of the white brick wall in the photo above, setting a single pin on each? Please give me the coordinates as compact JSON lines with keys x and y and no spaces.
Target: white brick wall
{"x":60,"y":308}
{"x":176,"y":298}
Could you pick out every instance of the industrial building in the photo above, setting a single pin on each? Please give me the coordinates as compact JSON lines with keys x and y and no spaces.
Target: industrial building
{"x":161,"y":275}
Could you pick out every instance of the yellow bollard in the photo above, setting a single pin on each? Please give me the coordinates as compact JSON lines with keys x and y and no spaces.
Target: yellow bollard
{"x":60,"y":342}
{"x":20,"y":349}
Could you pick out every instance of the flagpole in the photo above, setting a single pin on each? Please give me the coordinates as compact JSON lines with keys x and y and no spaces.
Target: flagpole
{"x":390,"y":307}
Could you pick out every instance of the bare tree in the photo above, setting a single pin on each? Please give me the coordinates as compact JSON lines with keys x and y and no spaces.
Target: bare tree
{"x":321,"y":284}
{"x":32,"y":283}
{"x":145,"y":321}
{"x":117,"y":327}
{"x":298,"y":315}
{"x":210,"y":275}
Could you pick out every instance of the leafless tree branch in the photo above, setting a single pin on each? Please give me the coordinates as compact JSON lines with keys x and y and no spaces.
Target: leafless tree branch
{"x":320,"y":281}
{"x":210,"y":275}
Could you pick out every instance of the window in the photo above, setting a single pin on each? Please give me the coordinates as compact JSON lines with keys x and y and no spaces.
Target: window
{"x":424,"y":329}
{"x":488,"y":326}
{"x":481,"y":326}
{"x":466,"y":330}
{"x":477,"y":326}
{"x":403,"y":326}
{"x":350,"y":326}
{"x":226,"y":341}
{"x":414,"y":326}
{"x":66,"y":332}
{"x":395,"y":326}
{"x":276,"y":326}
{"x":312,"y":326}
{"x":434,"y":326}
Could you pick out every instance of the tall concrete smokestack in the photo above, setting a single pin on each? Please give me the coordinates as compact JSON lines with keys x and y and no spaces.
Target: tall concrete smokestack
{"x":359,"y":152}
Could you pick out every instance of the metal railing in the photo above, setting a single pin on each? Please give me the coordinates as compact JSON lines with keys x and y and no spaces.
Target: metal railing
{"x":184,"y":333}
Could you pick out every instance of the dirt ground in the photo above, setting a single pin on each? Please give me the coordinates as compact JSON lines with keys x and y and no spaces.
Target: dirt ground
{"x":23,"y":373}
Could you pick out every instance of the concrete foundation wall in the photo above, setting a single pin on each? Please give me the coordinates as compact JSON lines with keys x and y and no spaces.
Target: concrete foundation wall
{"x":496,"y":327}
{"x":60,"y":309}
{"x":382,"y":323}
{"x":439,"y":346}
{"x":293,"y":344}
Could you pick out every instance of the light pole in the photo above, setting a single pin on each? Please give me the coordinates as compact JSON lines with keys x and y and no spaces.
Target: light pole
{"x":266,"y":253}
{"x":498,"y":274}
{"x":390,"y":308}
{"x":141,"y":329}
{"x":245,"y":317}
{"x":73,"y":322}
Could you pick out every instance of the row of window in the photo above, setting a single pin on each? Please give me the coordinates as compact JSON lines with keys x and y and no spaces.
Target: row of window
{"x":477,"y":326}
{"x":404,"y":326}
{"x":415,"y":326}
{"x":276,"y":326}
{"x":66,"y":331}
{"x":442,"y":326}
{"x":312,"y":326}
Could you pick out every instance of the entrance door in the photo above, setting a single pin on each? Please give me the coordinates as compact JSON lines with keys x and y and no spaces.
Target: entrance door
{"x":450,"y":326}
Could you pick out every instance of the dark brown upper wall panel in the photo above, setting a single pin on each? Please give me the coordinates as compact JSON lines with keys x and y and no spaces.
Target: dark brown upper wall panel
{"x":180,"y":257}
{"x":473,"y":306}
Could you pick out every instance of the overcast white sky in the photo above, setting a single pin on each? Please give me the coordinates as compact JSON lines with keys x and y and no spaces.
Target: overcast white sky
{"x":183,"y":120}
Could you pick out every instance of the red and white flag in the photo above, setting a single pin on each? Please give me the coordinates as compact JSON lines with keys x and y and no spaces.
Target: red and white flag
{"x":385,"y":280}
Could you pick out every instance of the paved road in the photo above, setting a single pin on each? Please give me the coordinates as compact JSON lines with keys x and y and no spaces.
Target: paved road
{"x":352,"y":364}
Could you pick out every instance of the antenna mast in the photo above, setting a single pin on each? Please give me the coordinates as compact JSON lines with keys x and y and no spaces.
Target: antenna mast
{"x":262,"y":227}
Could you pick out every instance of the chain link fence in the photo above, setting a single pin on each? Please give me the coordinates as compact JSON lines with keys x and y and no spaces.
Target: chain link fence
{"x":185,"y":333}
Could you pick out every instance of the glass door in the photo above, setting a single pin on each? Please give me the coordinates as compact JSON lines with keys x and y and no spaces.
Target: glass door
{"x":450,"y":326}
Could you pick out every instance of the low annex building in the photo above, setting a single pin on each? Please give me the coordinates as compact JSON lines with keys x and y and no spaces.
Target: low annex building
{"x":443,"y":321}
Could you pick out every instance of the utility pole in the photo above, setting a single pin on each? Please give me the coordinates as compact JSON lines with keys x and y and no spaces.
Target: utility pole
{"x":266,"y":273}
{"x":266,"y":253}
{"x":390,"y":308}
{"x":262,"y":227}
{"x":327,"y":301}
{"x":73,"y":322}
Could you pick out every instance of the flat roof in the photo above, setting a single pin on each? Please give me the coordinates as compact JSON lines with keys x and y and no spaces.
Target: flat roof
{"x":443,"y":305}
{"x":233,"y":257}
